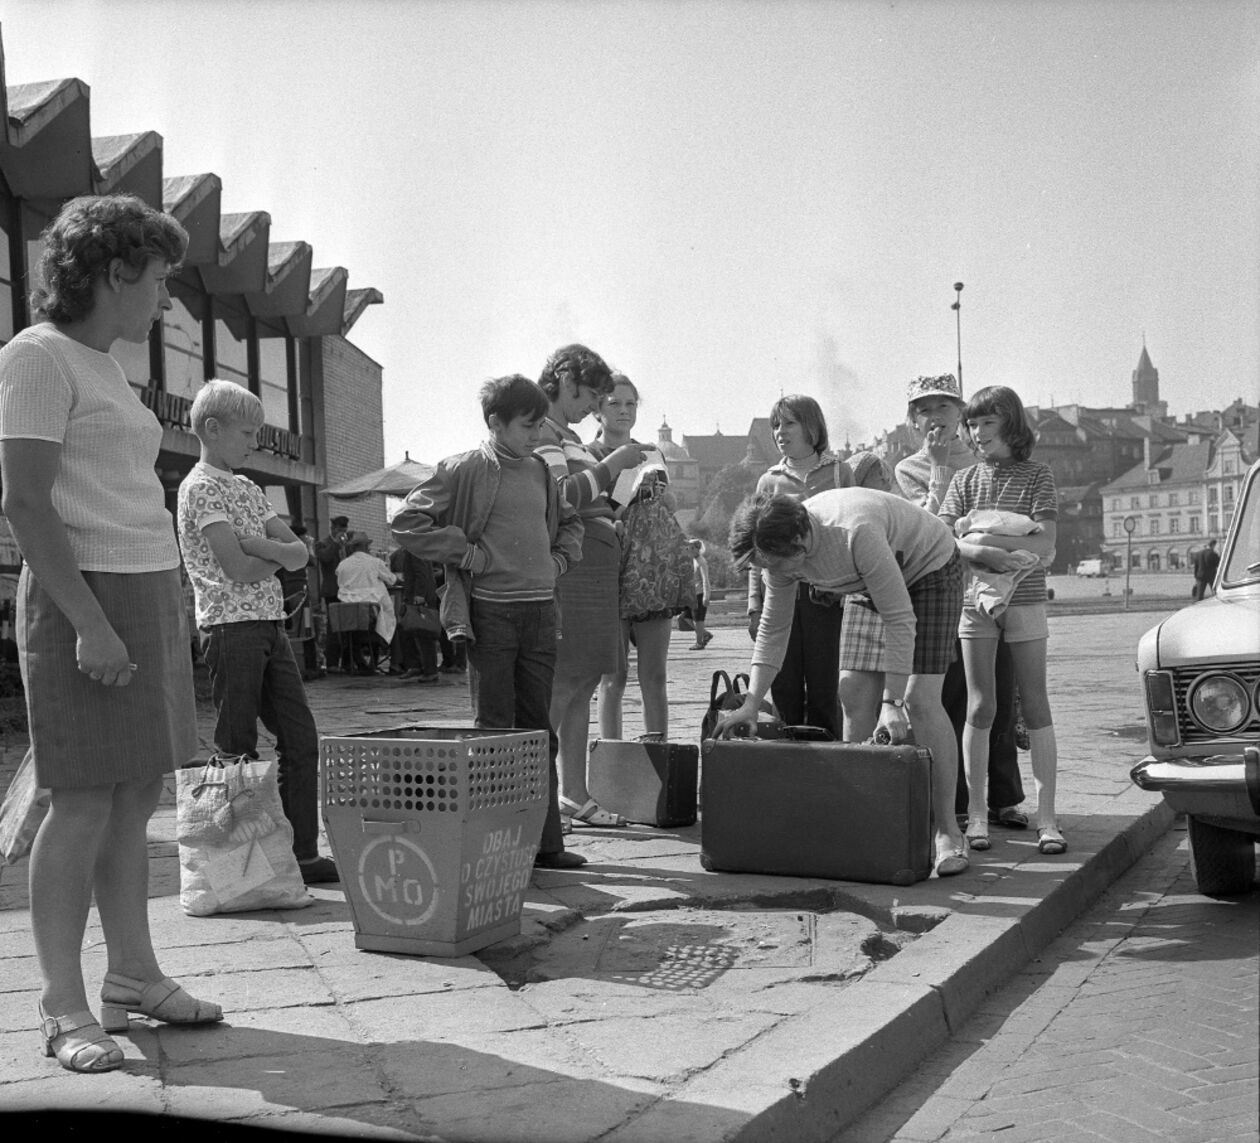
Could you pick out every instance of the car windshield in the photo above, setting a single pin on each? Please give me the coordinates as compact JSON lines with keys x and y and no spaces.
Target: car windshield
{"x":1243,"y":557}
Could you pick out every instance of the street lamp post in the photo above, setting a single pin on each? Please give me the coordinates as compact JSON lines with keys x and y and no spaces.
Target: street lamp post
{"x":957,"y":308}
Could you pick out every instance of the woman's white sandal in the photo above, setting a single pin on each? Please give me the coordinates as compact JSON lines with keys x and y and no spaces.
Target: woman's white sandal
{"x":161,"y":999}
{"x":58,"y":1034}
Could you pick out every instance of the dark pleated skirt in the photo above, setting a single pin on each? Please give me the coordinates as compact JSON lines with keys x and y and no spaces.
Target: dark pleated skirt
{"x":590,"y":617}
{"x":86,"y":734}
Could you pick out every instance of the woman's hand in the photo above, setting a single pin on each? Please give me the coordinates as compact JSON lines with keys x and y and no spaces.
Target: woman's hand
{"x":893,"y":725}
{"x":102,"y":656}
{"x":744,"y":715}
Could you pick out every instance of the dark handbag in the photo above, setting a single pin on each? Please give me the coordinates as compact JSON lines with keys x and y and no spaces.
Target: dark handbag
{"x":420,"y":620}
{"x":731,"y":697}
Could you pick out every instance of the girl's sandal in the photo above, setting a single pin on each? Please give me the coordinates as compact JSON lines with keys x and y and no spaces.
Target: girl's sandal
{"x":161,"y":999}
{"x":590,"y":814}
{"x":1050,"y":841}
{"x":951,"y":863}
{"x":978,"y":833}
{"x":93,"y":1051}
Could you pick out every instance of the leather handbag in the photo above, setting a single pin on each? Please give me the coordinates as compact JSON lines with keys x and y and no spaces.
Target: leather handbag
{"x":420,"y":620}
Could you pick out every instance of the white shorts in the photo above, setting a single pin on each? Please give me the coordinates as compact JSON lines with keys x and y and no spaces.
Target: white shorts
{"x":1020,"y":624}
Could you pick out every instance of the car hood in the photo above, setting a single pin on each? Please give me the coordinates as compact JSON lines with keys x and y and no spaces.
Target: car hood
{"x":1211,"y":631}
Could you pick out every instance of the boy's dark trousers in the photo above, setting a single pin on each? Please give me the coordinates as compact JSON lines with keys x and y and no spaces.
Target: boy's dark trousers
{"x":253,"y":675}
{"x":804,"y":690}
{"x":511,"y":666}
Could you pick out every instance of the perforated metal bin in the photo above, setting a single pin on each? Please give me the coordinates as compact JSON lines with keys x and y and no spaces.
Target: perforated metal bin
{"x":434,"y":830}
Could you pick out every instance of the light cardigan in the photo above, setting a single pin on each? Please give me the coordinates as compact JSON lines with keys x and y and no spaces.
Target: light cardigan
{"x":859,"y":540}
{"x":925,"y":483}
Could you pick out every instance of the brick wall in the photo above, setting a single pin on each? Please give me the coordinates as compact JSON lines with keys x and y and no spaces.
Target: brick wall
{"x":352,"y":432}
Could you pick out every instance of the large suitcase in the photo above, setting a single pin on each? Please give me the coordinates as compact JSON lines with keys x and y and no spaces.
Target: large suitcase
{"x":652,"y":783}
{"x":840,"y":810}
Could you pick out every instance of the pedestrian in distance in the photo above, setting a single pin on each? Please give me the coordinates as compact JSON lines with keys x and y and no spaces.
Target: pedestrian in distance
{"x":935,"y":412}
{"x":700,"y":611}
{"x":656,"y":575}
{"x":101,"y":631}
{"x":1006,"y":479}
{"x":575,"y":378}
{"x":1205,"y":562}
{"x":496,"y":519}
{"x":859,"y":540}
{"x":233,"y":542}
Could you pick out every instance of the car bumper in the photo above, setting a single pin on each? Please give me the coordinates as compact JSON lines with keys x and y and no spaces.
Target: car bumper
{"x":1233,"y":778}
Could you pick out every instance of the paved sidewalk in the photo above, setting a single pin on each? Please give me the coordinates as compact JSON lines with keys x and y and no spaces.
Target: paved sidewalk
{"x":1137,"y":1025}
{"x":645,"y":998}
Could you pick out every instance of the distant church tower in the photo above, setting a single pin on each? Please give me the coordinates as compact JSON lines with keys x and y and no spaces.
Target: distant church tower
{"x":1146,"y":387}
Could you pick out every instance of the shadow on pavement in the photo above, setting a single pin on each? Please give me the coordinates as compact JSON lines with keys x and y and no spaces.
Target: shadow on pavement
{"x":328,"y":1086}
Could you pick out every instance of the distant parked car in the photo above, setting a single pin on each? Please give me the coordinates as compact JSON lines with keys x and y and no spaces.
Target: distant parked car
{"x":1201,"y":676}
{"x":1091,"y":568}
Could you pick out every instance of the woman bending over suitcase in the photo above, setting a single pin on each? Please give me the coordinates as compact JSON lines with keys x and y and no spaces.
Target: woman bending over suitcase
{"x":859,"y":540}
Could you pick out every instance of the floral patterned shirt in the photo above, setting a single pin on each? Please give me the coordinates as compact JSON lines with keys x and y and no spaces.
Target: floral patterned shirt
{"x":210,"y":495}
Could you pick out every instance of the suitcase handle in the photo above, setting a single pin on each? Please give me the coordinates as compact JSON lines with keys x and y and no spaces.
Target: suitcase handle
{"x":807,"y":734}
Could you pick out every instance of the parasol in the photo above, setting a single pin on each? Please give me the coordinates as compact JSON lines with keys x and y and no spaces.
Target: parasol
{"x":393,"y":480}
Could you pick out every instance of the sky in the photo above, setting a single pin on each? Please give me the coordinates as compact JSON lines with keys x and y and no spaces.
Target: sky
{"x":728,"y":200}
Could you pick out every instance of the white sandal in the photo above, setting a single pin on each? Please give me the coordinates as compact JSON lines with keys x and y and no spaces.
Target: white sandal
{"x":590,"y":814}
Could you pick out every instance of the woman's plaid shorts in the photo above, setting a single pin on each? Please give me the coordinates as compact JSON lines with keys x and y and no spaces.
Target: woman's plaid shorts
{"x":937,"y":600}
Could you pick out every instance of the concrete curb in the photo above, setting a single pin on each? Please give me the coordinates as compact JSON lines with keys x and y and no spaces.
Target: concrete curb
{"x":884,"y":1024}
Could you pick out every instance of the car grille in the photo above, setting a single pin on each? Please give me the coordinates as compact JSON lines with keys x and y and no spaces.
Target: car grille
{"x":1191,"y":731}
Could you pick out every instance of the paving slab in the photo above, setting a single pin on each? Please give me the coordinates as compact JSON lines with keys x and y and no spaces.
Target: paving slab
{"x":645,"y":998}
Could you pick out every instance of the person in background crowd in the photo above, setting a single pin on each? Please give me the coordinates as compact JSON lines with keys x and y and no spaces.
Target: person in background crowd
{"x":417,"y":653}
{"x":656,"y":569}
{"x":1206,"y":561}
{"x":806,"y":684}
{"x":300,"y":588}
{"x":494,"y":517}
{"x":858,"y":540}
{"x":233,"y":542}
{"x":101,"y":630}
{"x":574,"y":379}
{"x":364,"y":578}
{"x":1006,"y":479}
{"x":329,"y":552}
{"x":935,"y":412}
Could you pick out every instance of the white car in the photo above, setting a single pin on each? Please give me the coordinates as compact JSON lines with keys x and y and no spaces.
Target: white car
{"x":1201,"y":677}
{"x":1090,"y":568}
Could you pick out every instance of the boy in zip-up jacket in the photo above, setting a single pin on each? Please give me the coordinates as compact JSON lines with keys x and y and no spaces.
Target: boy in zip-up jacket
{"x":496,"y":519}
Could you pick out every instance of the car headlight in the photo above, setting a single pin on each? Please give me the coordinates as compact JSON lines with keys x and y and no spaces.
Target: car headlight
{"x":1219,"y":703}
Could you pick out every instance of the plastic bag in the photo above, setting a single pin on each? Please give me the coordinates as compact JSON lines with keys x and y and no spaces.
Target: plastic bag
{"x":235,"y":844}
{"x":24,"y":807}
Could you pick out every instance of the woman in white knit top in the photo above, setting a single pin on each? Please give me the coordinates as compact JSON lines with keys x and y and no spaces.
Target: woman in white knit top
{"x":101,"y":625}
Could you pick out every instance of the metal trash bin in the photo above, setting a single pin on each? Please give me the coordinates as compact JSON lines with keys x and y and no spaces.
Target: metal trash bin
{"x":435,"y":830}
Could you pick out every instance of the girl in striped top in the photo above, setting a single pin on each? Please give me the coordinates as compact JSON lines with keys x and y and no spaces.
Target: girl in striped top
{"x":1006,"y":479}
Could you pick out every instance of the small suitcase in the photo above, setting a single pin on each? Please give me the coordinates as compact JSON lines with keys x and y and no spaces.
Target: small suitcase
{"x":651,"y":783}
{"x":841,"y":810}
